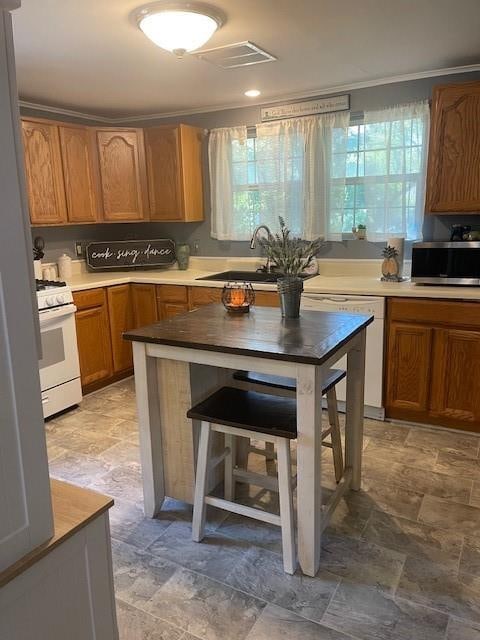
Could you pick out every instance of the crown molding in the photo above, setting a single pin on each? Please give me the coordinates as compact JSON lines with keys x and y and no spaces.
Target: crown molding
{"x":311,"y":93}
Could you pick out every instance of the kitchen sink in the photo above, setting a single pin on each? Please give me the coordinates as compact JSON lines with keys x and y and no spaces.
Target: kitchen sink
{"x":247,"y":276}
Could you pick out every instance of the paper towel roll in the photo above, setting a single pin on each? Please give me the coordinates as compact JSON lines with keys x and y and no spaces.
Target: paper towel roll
{"x":399,"y":245}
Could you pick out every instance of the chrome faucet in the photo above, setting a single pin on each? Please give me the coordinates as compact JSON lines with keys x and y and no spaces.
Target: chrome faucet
{"x":253,"y":244}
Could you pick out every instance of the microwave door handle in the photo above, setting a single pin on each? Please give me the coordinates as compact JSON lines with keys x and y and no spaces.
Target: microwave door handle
{"x":53,"y":315}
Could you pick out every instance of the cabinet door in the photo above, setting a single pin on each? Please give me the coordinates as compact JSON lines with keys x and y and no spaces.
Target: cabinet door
{"x":200,"y":296}
{"x":456,"y":376}
{"x":94,"y":346}
{"x":122,"y":173}
{"x":43,"y":170}
{"x":144,"y":304}
{"x":162,"y":151}
{"x":453,"y":179}
{"x":408,"y":369}
{"x":77,"y":145}
{"x":170,"y":309}
{"x":120,"y":311}
{"x":174,"y":169}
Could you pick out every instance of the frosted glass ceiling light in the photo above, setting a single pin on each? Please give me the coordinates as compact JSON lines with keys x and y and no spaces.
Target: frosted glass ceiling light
{"x":179,"y":27}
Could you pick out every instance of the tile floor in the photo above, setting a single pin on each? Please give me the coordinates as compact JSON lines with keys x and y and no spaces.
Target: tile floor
{"x":400,"y":560}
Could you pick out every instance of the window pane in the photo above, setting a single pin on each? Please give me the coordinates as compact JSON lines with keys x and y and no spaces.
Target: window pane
{"x":375,"y":163}
{"x":375,"y":136}
{"x":352,"y":143}
{"x":338,"y":165}
{"x":351,"y":167}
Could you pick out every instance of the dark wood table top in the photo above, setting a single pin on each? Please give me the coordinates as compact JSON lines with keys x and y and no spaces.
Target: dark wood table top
{"x":262,"y":333}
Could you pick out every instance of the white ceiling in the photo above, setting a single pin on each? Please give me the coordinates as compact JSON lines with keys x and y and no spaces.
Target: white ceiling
{"x":89,"y":56}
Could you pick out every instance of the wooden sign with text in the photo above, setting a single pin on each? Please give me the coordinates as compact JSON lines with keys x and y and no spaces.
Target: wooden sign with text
{"x":130,"y":254}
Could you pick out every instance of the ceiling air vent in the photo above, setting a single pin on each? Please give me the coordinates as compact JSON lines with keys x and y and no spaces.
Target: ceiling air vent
{"x":232,"y":56}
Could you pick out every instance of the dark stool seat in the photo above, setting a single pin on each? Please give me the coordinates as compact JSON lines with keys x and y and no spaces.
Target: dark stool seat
{"x":287,"y":384}
{"x":259,"y":412}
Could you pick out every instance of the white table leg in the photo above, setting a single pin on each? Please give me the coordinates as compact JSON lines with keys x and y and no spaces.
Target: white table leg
{"x":354,"y":409}
{"x":150,"y":431}
{"x":309,"y":472}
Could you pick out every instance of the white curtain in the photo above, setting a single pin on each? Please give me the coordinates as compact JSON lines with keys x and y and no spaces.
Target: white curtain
{"x":395,"y":178}
{"x":282,"y":170}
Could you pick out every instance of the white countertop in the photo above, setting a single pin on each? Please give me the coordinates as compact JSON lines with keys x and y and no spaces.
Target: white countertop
{"x":366,"y":284}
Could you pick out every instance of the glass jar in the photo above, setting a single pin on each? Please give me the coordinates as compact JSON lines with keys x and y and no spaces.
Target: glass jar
{"x":183,"y":256}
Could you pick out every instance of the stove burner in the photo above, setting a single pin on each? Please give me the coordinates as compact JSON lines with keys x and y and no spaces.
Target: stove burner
{"x":41,"y":285}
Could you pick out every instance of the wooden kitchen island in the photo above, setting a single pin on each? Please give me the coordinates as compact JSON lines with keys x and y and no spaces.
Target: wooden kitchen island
{"x":180,"y":361}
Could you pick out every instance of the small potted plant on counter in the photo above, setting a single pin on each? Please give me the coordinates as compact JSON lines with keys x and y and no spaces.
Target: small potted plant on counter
{"x":290,"y":256}
{"x":360,"y":232}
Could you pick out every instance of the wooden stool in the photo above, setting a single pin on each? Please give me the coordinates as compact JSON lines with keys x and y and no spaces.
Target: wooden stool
{"x":287,"y":387}
{"x":248,"y":414}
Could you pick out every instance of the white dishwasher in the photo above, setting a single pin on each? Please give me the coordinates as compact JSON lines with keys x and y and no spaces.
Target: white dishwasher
{"x":374,"y":350}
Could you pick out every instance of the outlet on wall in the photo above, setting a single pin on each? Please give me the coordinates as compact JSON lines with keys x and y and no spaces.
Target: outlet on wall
{"x":79,"y":249}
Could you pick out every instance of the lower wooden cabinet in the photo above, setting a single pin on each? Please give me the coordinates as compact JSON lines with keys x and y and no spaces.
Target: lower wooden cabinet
{"x":93,"y":337}
{"x":104,"y":314}
{"x":144,"y":304}
{"x":433,"y":362}
{"x":120,"y":311}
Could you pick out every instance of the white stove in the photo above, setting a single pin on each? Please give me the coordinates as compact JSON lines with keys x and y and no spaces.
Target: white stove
{"x":59,"y":366}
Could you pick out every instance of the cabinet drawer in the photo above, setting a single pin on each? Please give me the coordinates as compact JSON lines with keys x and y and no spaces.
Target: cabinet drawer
{"x":89,"y":298}
{"x":435,"y":312}
{"x":172,"y":293}
{"x":204,"y":295}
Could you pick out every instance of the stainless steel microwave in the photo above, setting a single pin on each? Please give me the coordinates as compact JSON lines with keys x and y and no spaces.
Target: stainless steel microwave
{"x":455,"y":263}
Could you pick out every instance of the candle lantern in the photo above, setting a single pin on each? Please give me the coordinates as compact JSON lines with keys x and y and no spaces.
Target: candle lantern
{"x":238,"y":296}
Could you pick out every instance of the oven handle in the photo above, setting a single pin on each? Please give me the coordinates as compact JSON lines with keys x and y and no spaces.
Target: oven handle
{"x":46,"y":317}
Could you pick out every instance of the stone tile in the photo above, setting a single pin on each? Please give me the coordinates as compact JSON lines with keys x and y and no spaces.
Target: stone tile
{"x":215,"y":556}
{"x":121,"y":410}
{"x":121,"y":453}
{"x":386,"y":497}
{"x":450,"y":515}
{"x":117,"y":428}
{"x":386,"y":431}
{"x":440,"y":588}
{"x":138,"y":575}
{"x":392,"y":452}
{"x":350,"y":516}
{"x":54,"y":451}
{"x":458,"y":465}
{"x":470,"y":559}
{"x":91,"y":444}
{"x":129,"y":524}
{"x":280,"y":624}
{"x":446,"y":441}
{"x":134,"y":624}
{"x":414,"y":539}
{"x":61,"y":426}
{"x":83,"y":420}
{"x":260,"y":572}
{"x":475,"y":497}
{"x":259,"y":534}
{"x":78,"y":468}
{"x":124,"y":482}
{"x":368,"y":613}
{"x":458,"y":630}
{"x":427,"y":481}
{"x":204,"y":607}
{"x":362,"y":561}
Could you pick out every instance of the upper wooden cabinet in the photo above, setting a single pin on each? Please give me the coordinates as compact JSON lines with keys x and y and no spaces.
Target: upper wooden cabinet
{"x":122,"y":174}
{"x":44,"y":174}
{"x":78,"y":158}
{"x":174,"y":170}
{"x":453,"y":179}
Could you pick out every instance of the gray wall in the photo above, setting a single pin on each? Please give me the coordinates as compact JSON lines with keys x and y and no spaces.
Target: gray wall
{"x":62,"y":239}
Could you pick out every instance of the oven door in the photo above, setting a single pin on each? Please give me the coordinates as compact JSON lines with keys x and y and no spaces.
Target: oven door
{"x":59,"y":363}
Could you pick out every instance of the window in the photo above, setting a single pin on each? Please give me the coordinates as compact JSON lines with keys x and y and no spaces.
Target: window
{"x":378,"y":174}
{"x":267,"y":178}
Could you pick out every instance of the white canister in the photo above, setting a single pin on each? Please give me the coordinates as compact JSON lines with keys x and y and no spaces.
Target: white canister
{"x":64,"y":267}
{"x":399,"y":245}
{"x":37,"y":269}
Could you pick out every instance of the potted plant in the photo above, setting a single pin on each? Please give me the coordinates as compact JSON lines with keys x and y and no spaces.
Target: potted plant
{"x":290,"y":256}
{"x":360,"y":232}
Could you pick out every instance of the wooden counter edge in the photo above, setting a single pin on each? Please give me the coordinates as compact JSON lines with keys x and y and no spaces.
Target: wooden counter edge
{"x":73,"y":508}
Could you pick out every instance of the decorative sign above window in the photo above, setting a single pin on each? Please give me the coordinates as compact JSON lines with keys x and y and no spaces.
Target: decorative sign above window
{"x":308,"y":108}
{"x":130,"y":254}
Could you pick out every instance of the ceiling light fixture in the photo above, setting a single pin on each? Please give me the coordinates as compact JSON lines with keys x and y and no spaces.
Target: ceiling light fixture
{"x":179,"y":27}
{"x":252,"y":93}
